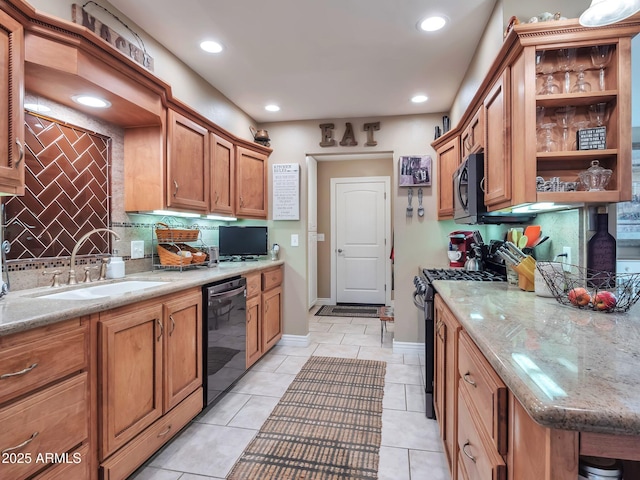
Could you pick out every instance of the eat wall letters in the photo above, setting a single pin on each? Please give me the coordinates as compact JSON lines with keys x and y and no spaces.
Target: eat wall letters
{"x":348,"y":139}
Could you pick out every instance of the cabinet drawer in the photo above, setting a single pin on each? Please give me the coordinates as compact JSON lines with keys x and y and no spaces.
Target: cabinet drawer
{"x":27,"y":366}
{"x":120,"y":465}
{"x":253,"y":284}
{"x":477,"y":457}
{"x":486,"y":391}
{"x":54,"y":420}
{"x":73,"y":465}
{"x":271,"y":278}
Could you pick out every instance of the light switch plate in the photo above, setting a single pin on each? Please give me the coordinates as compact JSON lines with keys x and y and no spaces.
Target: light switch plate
{"x":321,"y":237}
{"x":294,"y":240}
{"x":137,"y":249}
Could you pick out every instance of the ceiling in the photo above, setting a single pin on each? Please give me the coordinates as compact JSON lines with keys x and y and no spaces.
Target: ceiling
{"x":320,"y":59}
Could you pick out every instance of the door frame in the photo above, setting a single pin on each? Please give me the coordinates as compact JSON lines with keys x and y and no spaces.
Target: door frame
{"x":387,"y":232}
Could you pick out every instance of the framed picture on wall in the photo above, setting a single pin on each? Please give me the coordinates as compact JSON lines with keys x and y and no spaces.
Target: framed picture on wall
{"x":628,"y":225}
{"x":415,"y":171}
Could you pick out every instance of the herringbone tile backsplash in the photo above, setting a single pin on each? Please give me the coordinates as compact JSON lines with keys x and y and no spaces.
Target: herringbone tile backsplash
{"x":67,"y":192}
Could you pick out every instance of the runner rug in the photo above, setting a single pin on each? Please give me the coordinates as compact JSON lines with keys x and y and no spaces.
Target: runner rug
{"x":370,"y":311}
{"x":327,"y":425}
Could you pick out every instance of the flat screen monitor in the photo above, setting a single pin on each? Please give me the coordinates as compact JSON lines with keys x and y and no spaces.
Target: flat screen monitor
{"x":236,"y":241}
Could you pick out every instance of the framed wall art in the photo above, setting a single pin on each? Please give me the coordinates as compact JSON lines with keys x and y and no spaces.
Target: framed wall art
{"x":415,"y":171}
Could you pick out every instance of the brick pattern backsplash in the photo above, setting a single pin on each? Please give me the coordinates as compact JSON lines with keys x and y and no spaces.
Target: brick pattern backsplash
{"x":67,"y":192}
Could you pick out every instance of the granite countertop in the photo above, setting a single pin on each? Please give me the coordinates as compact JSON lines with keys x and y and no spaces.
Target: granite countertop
{"x":25,"y":309}
{"x":570,"y":368}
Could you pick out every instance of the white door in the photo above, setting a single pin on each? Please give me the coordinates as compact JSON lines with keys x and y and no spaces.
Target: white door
{"x":361,"y":218}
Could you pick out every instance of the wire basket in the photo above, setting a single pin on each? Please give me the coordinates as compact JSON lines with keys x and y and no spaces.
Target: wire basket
{"x":591,"y":289}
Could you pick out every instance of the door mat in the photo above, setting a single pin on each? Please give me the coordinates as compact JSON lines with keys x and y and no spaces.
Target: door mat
{"x":370,"y":311}
{"x":327,"y":425}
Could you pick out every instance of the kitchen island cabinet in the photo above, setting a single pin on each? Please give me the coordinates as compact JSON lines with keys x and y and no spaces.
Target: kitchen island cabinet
{"x":569,"y":374}
{"x":12,"y":142}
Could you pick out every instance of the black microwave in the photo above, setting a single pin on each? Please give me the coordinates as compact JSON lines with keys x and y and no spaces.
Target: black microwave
{"x":468,"y":196}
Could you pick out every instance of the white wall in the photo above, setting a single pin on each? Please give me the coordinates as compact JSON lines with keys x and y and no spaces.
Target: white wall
{"x":417,"y":241}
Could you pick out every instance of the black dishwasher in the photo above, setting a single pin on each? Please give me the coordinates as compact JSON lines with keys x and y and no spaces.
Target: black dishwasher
{"x":224,"y":336}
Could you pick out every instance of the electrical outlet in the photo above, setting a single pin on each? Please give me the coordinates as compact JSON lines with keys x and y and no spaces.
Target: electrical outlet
{"x":566,"y":260}
{"x":294,"y":240}
{"x":137,"y":249}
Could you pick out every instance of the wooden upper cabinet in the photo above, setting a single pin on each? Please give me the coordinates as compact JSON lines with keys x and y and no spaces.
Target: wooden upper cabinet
{"x":497,"y":157}
{"x":448,"y":162}
{"x":251,"y":183}
{"x":223,"y":180}
{"x":187,"y":164}
{"x":472,"y":139}
{"x":12,"y":143}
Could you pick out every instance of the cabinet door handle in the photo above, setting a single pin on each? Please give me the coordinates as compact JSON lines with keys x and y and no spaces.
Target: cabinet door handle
{"x":19,"y":446}
{"x":217,"y":198}
{"x":21,"y":372}
{"x":161,"y":329}
{"x":467,"y":378}
{"x":464,"y":450}
{"x":162,"y":434}
{"x":175,"y":184}
{"x":241,"y":202}
{"x":173,"y":325}
{"x":21,"y":151}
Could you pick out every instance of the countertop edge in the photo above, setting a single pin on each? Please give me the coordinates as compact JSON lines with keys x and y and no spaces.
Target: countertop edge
{"x":23,"y":310}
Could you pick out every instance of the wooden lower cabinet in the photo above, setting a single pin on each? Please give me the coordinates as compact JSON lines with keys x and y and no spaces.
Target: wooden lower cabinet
{"x":264,"y":312}
{"x":271,"y":317}
{"x":446,"y":378}
{"x":45,"y":402}
{"x":150,"y":363}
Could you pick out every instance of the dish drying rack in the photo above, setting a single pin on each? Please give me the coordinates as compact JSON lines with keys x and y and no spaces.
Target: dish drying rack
{"x":171,"y":249}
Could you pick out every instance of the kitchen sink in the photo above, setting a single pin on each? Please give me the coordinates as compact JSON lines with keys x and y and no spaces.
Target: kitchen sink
{"x":102,"y":291}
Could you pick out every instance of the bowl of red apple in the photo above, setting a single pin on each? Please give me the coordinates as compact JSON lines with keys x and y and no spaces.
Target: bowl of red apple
{"x":588,"y":289}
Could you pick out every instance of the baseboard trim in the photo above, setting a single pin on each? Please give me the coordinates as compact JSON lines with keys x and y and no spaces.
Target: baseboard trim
{"x":408,"y":348}
{"x":323,"y":301}
{"x":295,"y":340}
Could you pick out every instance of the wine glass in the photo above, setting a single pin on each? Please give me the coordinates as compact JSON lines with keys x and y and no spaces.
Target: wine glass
{"x":546,"y":142}
{"x":539,"y":116}
{"x":600,"y":57}
{"x":581,"y":85}
{"x":564,"y":118}
{"x":566,"y":62}
{"x":598,"y":113}
{"x":548,"y":69}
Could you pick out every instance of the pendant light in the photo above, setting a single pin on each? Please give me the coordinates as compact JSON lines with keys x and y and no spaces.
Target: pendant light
{"x":606,"y":12}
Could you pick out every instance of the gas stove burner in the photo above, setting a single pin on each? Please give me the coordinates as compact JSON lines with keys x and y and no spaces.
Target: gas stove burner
{"x":433,"y":274}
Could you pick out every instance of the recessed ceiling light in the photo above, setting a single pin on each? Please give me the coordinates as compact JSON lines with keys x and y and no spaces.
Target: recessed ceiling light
{"x":272,"y":108}
{"x":91,"y":101}
{"x":419,"y":98}
{"x":211,"y":46}
{"x":36,"y":107}
{"x":431,"y":24}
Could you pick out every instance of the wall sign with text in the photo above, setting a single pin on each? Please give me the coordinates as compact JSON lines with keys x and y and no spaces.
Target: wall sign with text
{"x":286,"y":191}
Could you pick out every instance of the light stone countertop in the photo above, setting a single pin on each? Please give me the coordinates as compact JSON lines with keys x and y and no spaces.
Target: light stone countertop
{"x":23,"y":310}
{"x":570,"y":368}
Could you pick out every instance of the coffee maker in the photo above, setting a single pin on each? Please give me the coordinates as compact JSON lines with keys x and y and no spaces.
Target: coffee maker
{"x":459,"y":247}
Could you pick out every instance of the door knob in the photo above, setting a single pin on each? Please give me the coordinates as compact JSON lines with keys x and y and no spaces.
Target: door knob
{"x":339,"y":250}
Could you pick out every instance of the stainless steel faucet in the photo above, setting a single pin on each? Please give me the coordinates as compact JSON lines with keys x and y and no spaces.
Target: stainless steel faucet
{"x":72,"y":271}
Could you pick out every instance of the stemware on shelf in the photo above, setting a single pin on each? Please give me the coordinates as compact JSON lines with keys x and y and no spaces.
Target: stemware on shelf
{"x":581,"y":85}
{"x":546,"y":142}
{"x":564,"y":118}
{"x":546,"y":69}
{"x":566,"y":62}
{"x":600,"y":57}
{"x":539,"y":116}
{"x":598,"y":113}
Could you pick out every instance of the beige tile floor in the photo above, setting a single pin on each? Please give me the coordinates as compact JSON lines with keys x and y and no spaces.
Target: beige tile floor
{"x":209,"y":447}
